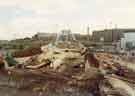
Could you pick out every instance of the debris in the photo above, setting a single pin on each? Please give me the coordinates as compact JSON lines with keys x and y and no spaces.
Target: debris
{"x":27,"y":52}
{"x":115,"y":87}
{"x":60,"y":54}
{"x":70,"y":65}
{"x":10,"y":60}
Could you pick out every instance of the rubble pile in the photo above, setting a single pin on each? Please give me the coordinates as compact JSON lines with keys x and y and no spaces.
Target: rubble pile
{"x":60,"y":68}
{"x":119,"y":79}
{"x":113,"y":63}
{"x":59,"y":58}
{"x":115,"y":86}
{"x":27,"y":52}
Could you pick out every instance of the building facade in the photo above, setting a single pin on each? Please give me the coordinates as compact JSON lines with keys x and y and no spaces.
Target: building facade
{"x":128,"y":41}
{"x":110,"y":35}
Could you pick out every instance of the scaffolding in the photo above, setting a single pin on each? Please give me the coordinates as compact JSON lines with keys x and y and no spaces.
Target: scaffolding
{"x":65,"y":36}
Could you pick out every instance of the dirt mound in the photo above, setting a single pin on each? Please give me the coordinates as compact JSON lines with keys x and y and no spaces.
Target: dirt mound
{"x":27,"y":52}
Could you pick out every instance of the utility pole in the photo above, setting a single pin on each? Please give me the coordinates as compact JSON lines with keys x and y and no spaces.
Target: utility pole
{"x":88,"y":33}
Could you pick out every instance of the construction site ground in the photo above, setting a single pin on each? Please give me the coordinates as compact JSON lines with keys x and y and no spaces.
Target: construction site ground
{"x":113,"y":77}
{"x":35,"y":83}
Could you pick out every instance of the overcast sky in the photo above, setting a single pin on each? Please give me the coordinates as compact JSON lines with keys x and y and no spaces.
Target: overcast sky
{"x":20,"y":18}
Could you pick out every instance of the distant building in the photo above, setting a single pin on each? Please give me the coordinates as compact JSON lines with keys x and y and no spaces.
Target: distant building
{"x":4,"y":41}
{"x":128,"y":40}
{"x":51,"y":37}
{"x":110,"y":35}
{"x":117,"y":40}
{"x":44,"y":36}
{"x":40,"y":35}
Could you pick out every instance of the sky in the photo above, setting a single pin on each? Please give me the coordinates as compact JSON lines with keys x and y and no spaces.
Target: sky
{"x":21,"y":18}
